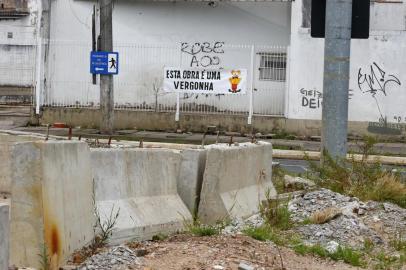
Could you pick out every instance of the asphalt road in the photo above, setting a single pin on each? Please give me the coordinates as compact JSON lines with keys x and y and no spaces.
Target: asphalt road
{"x":301,"y":166}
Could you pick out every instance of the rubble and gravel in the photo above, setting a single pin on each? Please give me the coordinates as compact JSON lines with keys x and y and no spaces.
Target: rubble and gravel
{"x":358,"y":221}
{"x":116,"y":258}
{"x":238,"y":225}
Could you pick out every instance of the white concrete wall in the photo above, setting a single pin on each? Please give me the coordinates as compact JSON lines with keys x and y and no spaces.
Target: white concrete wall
{"x":149,"y":35}
{"x":17,"y":54}
{"x":385,"y":47}
{"x":166,"y":22}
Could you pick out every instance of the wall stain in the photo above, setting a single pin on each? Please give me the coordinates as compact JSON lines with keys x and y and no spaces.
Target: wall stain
{"x":55,"y":242}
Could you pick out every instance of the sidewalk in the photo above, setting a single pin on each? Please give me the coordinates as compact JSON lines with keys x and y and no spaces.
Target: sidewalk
{"x":397,"y":149}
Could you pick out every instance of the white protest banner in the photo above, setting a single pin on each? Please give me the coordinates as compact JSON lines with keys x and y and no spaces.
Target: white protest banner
{"x":212,"y":81}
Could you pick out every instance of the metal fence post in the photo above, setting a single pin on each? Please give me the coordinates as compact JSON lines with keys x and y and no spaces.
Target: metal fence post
{"x":287,"y":84}
{"x":251,"y":109}
{"x":177,"y":107}
{"x":38,"y":61}
{"x":178,"y":94}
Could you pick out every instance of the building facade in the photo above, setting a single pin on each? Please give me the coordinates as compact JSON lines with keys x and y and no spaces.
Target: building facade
{"x":17,"y":47}
{"x":377,"y":92}
{"x":271,"y":39}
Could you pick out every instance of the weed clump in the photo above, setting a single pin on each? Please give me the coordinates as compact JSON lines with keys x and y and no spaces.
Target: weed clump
{"x":105,"y":227}
{"x":278,"y":179}
{"x":44,"y":258}
{"x":264,"y":233}
{"x":159,"y":237}
{"x":399,"y":243}
{"x":199,"y":229}
{"x":275,"y":212}
{"x":346,"y":254}
{"x":361,"y":178}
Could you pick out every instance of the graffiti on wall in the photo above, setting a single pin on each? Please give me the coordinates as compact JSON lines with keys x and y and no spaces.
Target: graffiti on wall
{"x":377,"y":83}
{"x":383,"y":127}
{"x":399,"y":118}
{"x":204,"y":54}
{"x":311,"y":99}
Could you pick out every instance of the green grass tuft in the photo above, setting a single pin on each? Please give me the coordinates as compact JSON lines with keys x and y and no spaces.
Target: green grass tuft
{"x":264,"y":233}
{"x":346,"y":254}
{"x":198,"y":229}
{"x":275,"y":213}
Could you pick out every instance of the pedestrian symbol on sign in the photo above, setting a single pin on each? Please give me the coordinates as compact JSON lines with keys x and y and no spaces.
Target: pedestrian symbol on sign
{"x":112,"y":60}
{"x":113,"y":63}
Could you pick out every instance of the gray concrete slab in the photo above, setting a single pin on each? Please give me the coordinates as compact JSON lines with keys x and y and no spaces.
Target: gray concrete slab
{"x":236,"y":179}
{"x":142,"y":184}
{"x":4,"y":235}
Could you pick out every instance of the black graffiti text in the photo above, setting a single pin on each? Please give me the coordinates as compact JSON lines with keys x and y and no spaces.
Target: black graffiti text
{"x":204,"y":61}
{"x":311,"y":99}
{"x":187,"y":96}
{"x":376,"y":81}
{"x":204,"y":47}
{"x":203,"y":54}
{"x":399,"y":118}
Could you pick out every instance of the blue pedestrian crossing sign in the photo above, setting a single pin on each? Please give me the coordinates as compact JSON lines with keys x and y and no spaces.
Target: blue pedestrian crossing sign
{"x":104,"y":63}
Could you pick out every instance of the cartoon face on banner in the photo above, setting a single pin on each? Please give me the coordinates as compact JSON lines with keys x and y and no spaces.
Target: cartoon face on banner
{"x":235,"y":80}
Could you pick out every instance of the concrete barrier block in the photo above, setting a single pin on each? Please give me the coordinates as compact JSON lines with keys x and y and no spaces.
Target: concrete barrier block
{"x":4,"y":235}
{"x":191,"y":177}
{"x":5,"y":165}
{"x":51,"y":200}
{"x":142,"y":184}
{"x":235,"y":180}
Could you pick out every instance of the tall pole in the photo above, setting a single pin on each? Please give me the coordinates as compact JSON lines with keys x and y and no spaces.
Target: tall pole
{"x":106,"y":81}
{"x":336,"y":77}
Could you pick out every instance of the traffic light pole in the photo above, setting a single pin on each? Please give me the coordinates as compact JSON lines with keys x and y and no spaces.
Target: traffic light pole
{"x":106,"y":81}
{"x":336,"y":77}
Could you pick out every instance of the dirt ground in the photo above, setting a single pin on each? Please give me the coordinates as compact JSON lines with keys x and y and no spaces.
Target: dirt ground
{"x":185,"y":252}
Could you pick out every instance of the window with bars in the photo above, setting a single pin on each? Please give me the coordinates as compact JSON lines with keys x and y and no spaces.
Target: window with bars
{"x":272,"y":66}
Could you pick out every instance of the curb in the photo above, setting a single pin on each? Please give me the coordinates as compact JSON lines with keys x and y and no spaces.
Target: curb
{"x":311,"y":155}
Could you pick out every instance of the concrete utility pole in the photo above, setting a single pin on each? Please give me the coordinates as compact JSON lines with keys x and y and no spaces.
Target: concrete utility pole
{"x":106,"y":81}
{"x":336,"y":77}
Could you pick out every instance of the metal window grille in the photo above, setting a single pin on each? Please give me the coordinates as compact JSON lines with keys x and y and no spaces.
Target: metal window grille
{"x":272,"y":66}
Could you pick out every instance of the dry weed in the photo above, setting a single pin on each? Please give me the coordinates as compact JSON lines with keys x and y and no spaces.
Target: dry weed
{"x":388,"y":187}
{"x":325,"y":215}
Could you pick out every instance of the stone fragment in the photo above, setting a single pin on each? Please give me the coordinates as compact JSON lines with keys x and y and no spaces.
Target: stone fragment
{"x":244,"y":266}
{"x":298,"y":182}
{"x":332,"y":246}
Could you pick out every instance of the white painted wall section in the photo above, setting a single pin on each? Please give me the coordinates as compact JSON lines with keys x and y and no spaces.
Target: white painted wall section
{"x":377,"y":78}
